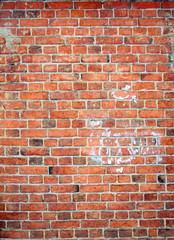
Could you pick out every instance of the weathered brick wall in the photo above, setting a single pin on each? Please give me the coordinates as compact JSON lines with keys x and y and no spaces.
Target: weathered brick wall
{"x":86,"y":119}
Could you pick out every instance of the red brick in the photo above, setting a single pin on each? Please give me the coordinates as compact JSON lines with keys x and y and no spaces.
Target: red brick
{"x":123,"y":114}
{"x":77,"y":13}
{"x":13,"y":216}
{"x":12,"y":179}
{"x":168,"y":5}
{"x":10,"y":23}
{"x":93,"y":22}
{"x":151,"y":223}
{"x":124,"y":188}
{"x":135,"y":13}
{"x":106,"y":13}
{"x":109,"y":40}
{"x":47,"y":14}
{"x":63,"y":22}
{"x":33,"y":23}
{"x":126,"y":224}
{"x":121,"y":206}
{"x":116,"y":4}
{"x":89,"y":5}
{"x":91,"y":206}
{"x":94,"y":223}
{"x":145,"y":5}
{"x":91,"y":170}
{"x":124,"y":59}
{"x":61,"y":206}
{"x":5,"y":5}
{"x":16,"y":234}
{"x":65,"y":224}
{"x":151,"y":113}
{"x":49,"y":41}
{"x":58,"y":5}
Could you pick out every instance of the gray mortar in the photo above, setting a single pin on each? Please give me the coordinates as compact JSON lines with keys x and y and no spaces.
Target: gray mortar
{"x":9,"y":38}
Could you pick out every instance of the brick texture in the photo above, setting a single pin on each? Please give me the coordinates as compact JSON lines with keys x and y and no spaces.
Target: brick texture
{"x":86,"y":119}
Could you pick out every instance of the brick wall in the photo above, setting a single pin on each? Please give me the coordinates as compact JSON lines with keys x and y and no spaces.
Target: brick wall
{"x":86,"y":120}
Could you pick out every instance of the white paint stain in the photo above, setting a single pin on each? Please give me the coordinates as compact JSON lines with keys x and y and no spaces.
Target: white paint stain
{"x":106,"y":134}
{"x":119,"y":152}
{"x":96,"y":159}
{"x":119,"y":170}
{"x":92,"y":134}
{"x":95,"y":123}
{"x":155,"y":133}
{"x":127,"y":87}
{"x":134,"y":99}
{"x":110,"y":160}
{"x":145,"y":152}
{"x":160,"y":159}
{"x":93,"y":152}
{"x":132,"y":151}
{"x":7,"y":34}
{"x":100,"y":151}
{"x":122,"y":161}
{"x":117,"y":134}
{"x":119,"y":97}
{"x":24,"y":32}
{"x":114,"y":96}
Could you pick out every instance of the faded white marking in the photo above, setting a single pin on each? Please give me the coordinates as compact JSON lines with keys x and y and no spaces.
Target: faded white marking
{"x":95,"y":123}
{"x":96,"y":159}
{"x":134,"y":99}
{"x":126,"y":88}
{"x":106,"y":134}
{"x":120,"y":170}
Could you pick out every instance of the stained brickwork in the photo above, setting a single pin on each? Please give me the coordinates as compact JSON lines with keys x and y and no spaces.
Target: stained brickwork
{"x":86,"y":129}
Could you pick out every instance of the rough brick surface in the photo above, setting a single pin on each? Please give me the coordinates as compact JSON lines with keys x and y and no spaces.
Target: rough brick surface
{"x":86,"y":119}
